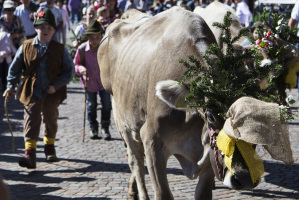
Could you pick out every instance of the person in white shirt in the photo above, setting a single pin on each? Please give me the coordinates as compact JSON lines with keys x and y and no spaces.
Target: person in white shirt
{"x":66,"y":21}
{"x":7,"y":50}
{"x":243,"y":13}
{"x":294,"y":20}
{"x":26,"y":13}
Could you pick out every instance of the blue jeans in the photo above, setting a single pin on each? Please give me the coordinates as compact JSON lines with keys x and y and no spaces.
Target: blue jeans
{"x":75,"y":16}
{"x":92,"y":108}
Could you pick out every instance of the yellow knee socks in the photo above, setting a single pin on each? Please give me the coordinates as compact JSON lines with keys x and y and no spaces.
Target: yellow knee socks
{"x":49,"y":140}
{"x":30,"y":144}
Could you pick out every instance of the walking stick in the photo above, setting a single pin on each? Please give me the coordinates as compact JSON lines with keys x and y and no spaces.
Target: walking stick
{"x":85,"y":97}
{"x":9,"y":124}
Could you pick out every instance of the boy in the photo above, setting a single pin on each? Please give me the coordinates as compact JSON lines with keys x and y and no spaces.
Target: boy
{"x":86,"y":65}
{"x":47,"y":69}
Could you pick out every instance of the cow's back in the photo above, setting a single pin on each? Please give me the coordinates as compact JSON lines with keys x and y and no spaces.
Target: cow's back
{"x":140,"y":51}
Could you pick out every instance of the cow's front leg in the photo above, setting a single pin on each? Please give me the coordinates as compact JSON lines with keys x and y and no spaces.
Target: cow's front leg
{"x":156,"y":164}
{"x":135,"y":153}
{"x":132,"y":189}
{"x":205,"y":183}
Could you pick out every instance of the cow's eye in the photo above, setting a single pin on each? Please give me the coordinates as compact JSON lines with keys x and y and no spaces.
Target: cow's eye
{"x":210,"y":118}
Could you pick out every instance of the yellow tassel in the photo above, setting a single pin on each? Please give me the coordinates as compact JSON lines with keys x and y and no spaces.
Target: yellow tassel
{"x":30,"y":144}
{"x":49,"y":140}
{"x":291,"y":78}
{"x":227,"y":144}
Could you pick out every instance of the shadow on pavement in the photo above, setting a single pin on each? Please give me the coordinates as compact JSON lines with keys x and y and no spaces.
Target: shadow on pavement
{"x":280,"y":174}
{"x":283,"y":175}
{"x":271,"y":194}
{"x":39,"y":193}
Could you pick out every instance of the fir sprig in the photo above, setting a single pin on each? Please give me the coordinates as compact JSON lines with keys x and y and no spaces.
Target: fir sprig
{"x":224,"y":79}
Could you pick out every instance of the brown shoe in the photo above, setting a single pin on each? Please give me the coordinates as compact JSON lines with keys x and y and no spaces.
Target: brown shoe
{"x":29,"y":160}
{"x":50,"y":153}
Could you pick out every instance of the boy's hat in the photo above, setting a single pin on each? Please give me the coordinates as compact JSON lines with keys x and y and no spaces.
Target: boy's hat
{"x":8,"y":4}
{"x":45,"y":17}
{"x":95,"y":27}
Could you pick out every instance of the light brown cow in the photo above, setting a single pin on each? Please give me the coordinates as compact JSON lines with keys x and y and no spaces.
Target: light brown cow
{"x":137,"y":56}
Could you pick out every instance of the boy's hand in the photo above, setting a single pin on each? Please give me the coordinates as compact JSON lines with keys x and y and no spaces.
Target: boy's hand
{"x":83,"y":71}
{"x":8,"y":94}
{"x":51,"y":89}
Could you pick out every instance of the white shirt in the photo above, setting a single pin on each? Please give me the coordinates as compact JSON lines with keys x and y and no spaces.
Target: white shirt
{"x":295,"y":14}
{"x":65,"y":17}
{"x":23,"y":13}
{"x":243,"y":13}
{"x":7,"y":49}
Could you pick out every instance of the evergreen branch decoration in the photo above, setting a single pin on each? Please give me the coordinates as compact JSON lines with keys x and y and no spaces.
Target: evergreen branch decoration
{"x":280,"y":28}
{"x":223,"y":79}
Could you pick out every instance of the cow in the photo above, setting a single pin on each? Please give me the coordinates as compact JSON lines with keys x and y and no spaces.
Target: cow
{"x":139,"y":63}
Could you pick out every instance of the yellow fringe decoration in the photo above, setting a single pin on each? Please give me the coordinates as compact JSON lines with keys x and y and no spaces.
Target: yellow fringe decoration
{"x":30,"y":144}
{"x":291,"y":78}
{"x":49,"y":140}
{"x":227,"y":144}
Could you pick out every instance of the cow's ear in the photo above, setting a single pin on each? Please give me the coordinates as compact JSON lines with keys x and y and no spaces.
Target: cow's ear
{"x":172,"y":93}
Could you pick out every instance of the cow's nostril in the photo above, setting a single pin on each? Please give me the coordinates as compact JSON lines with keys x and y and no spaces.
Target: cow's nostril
{"x":235,"y":183}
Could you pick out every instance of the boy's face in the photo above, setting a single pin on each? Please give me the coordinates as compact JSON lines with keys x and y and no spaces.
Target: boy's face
{"x":94,"y":40}
{"x":44,"y":32}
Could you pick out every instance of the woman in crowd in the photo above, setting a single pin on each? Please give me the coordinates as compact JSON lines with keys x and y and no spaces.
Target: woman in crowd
{"x":115,"y":12}
{"x":12,"y":24}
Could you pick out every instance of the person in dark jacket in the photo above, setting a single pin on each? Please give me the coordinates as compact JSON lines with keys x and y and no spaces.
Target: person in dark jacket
{"x":47,"y":68}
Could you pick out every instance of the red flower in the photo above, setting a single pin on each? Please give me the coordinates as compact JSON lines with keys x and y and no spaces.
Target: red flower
{"x":40,"y":14}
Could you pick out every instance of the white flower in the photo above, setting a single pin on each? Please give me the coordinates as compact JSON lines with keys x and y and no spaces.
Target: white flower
{"x":290,"y":100}
{"x":280,"y":21}
{"x":265,"y":62}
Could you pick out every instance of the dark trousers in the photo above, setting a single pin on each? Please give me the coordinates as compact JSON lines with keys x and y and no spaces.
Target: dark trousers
{"x":3,"y":71}
{"x":37,"y":111}
{"x":92,"y":108}
{"x":75,"y":16}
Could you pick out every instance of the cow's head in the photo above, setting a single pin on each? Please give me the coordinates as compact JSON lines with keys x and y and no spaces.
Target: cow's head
{"x":239,"y":175}
{"x":174,"y":95}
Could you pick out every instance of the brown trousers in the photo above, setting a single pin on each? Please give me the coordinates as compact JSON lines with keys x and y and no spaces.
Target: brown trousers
{"x":37,"y":110}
